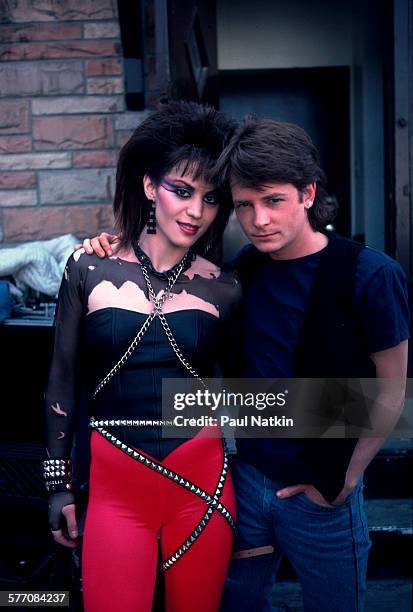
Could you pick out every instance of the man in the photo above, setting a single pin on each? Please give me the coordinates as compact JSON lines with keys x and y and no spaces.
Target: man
{"x":316,"y":305}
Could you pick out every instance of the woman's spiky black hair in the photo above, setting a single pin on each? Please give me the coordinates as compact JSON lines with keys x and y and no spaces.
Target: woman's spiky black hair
{"x":182,"y":135}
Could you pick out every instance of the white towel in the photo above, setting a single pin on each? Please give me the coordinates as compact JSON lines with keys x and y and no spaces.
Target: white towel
{"x":39,"y":264}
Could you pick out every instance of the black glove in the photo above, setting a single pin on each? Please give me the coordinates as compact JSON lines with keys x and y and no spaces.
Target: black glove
{"x":57,"y":501}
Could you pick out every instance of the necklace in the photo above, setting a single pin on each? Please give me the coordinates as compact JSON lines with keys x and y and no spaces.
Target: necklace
{"x":172,"y":276}
{"x":166,"y":275}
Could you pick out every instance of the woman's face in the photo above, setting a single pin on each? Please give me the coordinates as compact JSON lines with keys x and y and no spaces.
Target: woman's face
{"x":184,"y":208}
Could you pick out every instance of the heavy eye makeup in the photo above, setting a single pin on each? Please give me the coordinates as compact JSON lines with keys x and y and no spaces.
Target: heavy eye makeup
{"x":212,"y":198}
{"x":184,"y":191}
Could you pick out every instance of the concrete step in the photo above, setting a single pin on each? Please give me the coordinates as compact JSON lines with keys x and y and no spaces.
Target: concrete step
{"x":390,"y":526}
{"x":398,"y":444}
{"x":389,"y":516}
{"x":386,"y":595}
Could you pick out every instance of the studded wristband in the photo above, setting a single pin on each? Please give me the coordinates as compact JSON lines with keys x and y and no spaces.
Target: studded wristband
{"x":58,"y":475}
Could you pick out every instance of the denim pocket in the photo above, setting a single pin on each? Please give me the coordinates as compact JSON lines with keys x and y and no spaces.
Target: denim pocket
{"x":312,"y":504}
{"x":345,"y":503}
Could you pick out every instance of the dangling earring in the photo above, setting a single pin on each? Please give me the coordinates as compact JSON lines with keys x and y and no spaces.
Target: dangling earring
{"x":151,"y":223}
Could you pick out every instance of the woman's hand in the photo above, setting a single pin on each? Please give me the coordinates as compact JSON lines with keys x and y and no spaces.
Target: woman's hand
{"x":104,"y":245}
{"x":62,"y":519}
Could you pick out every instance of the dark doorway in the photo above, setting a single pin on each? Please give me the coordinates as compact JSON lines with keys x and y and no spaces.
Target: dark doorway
{"x":193,"y":50}
{"x":317,"y":99}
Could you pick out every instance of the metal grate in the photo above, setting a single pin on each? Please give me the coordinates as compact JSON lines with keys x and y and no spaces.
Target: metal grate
{"x":21,"y":472}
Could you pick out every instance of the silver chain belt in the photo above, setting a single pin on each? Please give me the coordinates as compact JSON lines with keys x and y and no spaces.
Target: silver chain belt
{"x":211,"y":500}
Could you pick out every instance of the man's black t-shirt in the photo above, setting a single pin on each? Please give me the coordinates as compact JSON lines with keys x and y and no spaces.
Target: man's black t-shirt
{"x":276,"y":301}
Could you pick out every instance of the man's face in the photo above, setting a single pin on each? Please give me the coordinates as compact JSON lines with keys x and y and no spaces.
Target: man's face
{"x":275,"y":218}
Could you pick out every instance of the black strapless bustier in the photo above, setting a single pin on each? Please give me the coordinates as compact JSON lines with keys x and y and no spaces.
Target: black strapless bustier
{"x":102,"y":303}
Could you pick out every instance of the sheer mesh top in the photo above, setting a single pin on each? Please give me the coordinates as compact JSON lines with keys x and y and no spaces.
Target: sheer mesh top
{"x":101,"y":305}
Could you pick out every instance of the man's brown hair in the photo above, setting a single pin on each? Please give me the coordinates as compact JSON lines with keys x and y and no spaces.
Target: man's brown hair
{"x":264,"y":151}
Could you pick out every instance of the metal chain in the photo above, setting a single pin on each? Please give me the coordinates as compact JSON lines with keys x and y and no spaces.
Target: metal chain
{"x":213,"y":502}
{"x":168,"y":331}
{"x":126,"y":354}
{"x":157,"y":312}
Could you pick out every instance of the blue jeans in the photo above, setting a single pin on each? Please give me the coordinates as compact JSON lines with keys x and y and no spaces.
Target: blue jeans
{"x":328,"y":547}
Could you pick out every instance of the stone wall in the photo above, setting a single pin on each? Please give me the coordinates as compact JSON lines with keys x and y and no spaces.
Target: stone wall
{"x":62,"y":117}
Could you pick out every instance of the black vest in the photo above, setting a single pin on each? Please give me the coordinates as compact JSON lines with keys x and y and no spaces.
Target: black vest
{"x":331,"y":345}
{"x":332,"y":342}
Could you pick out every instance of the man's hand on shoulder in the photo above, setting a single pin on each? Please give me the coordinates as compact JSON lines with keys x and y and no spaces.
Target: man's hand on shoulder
{"x":104,"y":245}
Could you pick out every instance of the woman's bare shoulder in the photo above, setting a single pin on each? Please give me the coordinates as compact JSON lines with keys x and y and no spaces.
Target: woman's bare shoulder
{"x":203,"y":267}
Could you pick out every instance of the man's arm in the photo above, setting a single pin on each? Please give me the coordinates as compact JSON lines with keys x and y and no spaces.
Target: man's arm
{"x":391,"y":372}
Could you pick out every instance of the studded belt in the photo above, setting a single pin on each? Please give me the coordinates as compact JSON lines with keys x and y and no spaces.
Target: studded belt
{"x":212,"y":501}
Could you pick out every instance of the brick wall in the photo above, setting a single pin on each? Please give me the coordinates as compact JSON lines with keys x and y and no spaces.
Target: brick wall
{"x":62,"y":117}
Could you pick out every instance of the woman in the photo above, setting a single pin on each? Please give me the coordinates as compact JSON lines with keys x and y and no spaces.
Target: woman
{"x":158,"y":309}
